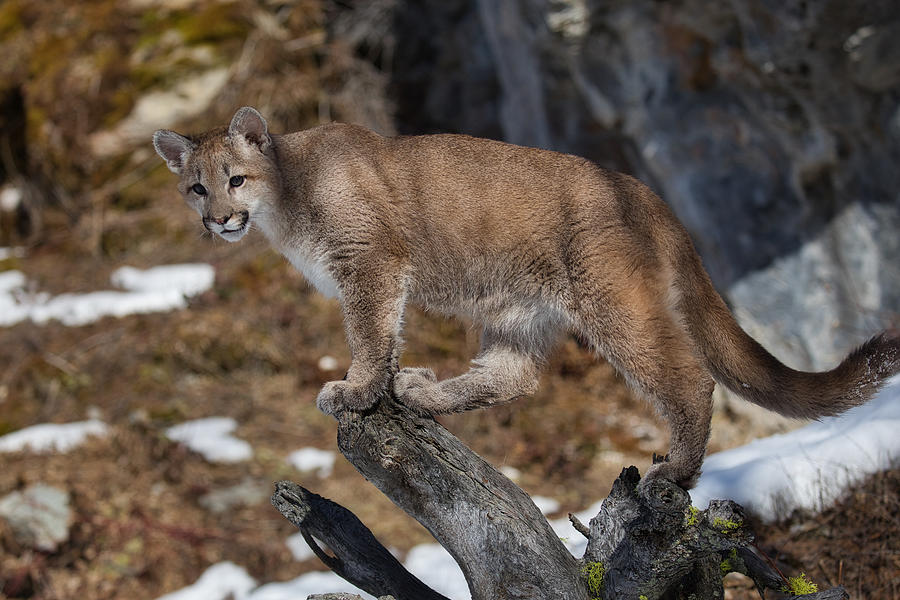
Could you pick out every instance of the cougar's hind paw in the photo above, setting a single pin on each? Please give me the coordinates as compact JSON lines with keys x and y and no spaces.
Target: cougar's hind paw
{"x":664,"y":468}
{"x":416,"y":373}
{"x":417,"y":389}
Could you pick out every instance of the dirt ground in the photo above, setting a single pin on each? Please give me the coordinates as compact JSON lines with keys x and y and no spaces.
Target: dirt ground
{"x":250,"y":349}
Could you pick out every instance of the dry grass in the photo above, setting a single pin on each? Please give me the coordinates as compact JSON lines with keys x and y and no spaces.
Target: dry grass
{"x":855,"y":543}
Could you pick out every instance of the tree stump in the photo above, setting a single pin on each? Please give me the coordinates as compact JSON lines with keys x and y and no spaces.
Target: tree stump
{"x":652,"y":546}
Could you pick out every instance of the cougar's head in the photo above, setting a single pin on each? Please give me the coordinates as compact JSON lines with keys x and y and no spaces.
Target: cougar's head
{"x":228,"y":176}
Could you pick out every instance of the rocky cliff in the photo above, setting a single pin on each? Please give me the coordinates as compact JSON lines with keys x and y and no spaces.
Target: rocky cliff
{"x":771,"y":128}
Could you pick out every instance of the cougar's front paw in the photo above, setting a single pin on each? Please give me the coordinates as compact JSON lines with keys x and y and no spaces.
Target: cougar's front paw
{"x":339,"y":396}
{"x":417,"y":389}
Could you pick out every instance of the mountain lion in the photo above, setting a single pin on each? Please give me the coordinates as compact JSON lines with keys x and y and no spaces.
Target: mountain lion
{"x":527,"y":242}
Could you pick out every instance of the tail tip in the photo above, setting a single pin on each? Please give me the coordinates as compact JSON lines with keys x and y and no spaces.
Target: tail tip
{"x":882,"y":354}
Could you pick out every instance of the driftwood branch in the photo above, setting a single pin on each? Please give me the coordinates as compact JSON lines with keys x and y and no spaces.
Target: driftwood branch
{"x":766,"y":577}
{"x":493,"y":530}
{"x":358,"y":556}
{"x":652,"y":545}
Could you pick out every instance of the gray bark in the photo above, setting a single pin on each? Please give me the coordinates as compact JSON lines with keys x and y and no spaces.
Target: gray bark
{"x":493,"y":530}
{"x":358,"y":556}
{"x":657,"y":547}
{"x":651,"y":545}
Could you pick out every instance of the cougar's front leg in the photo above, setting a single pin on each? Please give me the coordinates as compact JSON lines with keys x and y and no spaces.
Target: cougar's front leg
{"x":503,"y":371}
{"x":372,"y":296}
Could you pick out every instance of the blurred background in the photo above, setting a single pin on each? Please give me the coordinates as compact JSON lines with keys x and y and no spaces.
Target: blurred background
{"x":771,"y":127}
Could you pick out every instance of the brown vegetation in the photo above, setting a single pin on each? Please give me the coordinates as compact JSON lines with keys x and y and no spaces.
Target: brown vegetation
{"x":249,"y":348}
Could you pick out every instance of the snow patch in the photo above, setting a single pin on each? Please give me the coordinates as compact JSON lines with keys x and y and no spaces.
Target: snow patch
{"x":81,"y":309}
{"x":312,"y":459}
{"x":436,"y":568}
{"x":545,"y":505}
{"x":158,"y":289}
{"x":571,"y":538}
{"x":11,"y":281}
{"x":300,"y":550}
{"x":808,"y":468}
{"x":212,"y":438}
{"x":511,"y":472}
{"x":221,"y":581}
{"x":16,"y":252}
{"x":50,"y":437}
{"x":190,"y":279}
{"x":317,"y":582}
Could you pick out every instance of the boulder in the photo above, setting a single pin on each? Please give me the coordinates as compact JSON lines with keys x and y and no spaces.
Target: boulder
{"x":39,"y":516}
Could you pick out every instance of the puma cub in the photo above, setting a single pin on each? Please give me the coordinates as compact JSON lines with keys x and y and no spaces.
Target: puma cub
{"x":527,"y":242}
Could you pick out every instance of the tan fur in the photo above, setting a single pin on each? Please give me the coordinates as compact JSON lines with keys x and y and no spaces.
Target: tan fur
{"x":526,"y":242}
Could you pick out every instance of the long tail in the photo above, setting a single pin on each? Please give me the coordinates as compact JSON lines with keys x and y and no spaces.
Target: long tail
{"x":746,"y":368}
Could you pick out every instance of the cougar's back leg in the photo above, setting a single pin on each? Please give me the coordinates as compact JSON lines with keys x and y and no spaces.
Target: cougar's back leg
{"x":507,"y":367}
{"x":629,"y":320}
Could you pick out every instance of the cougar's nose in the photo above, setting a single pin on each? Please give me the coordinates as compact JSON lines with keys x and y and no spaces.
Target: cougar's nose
{"x":217,"y":220}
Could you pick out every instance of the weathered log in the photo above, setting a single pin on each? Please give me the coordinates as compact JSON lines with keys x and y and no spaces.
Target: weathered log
{"x":502,"y":542}
{"x":656,"y":545}
{"x":358,"y":556}
{"x":650,"y":544}
{"x":835,"y":593}
{"x":766,"y":577}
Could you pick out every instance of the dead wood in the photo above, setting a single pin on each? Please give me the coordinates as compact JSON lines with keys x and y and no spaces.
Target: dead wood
{"x":651,"y":545}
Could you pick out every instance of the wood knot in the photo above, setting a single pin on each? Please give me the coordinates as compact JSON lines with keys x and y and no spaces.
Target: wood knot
{"x":391,"y":452}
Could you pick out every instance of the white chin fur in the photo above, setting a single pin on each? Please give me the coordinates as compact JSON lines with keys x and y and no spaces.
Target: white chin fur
{"x":233,"y":236}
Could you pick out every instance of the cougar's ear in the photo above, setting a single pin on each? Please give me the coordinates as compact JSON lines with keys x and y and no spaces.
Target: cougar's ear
{"x":249,"y":123}
{"x":173,"y":148}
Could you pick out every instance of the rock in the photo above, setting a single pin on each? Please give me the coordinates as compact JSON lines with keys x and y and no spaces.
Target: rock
{"x":811,"y":307}
{"x":522,"y":104}
{"x":874,"y":56}
{"x":10,"y":197}
{"x":39,"y":516}
{"x":161,"y":109}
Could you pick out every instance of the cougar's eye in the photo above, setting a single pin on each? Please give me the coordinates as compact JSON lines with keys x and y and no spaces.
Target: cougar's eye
{"x":236,"y":181}
{"x":198,"y":189}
